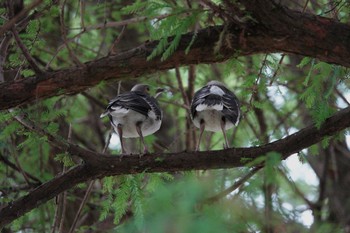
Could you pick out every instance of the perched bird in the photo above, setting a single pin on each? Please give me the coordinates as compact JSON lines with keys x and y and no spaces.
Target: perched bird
{"x":134,"y":114}
{"x":215,"y":108}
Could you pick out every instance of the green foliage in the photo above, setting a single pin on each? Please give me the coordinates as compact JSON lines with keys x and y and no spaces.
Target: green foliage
{"x":66,"y":159}
{"x":175,"y":207}
{"x":32,"y":28}
{"x":27,"y":73}
{"x":136,"y":7}
{"x":272,"y":161}
{"x":171,"y":26}
{"x":126,"y":194}
{"x":169,"y":29}
{"x":317,"y":96}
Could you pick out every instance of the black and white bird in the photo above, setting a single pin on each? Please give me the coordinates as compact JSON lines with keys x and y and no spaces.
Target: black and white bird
{"x":215,"y":108}
{"x":134,"y":114}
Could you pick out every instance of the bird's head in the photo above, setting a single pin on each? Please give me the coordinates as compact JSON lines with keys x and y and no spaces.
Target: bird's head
{"x":215,"y":83}
{"x":141,"y":88}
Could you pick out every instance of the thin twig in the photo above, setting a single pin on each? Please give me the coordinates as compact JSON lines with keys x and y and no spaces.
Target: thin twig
{"x":64,"y":37}
{"x":255,"y":86}
{"x":190,"y":131}
{"x":175,"y":103}
{"x":86,"y":196}
{"x":122,"y":22}
{"x":113,"y":49}
{"x":88,"y":191}
{"x":56,"y":216}
{"x":61,"y":198}
{"x":15,"y":156}
{"x":14,"y":167}
{"x":232,"y":188}
{"x":277,"y":69}
{"x":63,"y":211}
{"x":181,"y":87}
{"x":82,"y":13}
{"x":26,"y":53}
{"x":342,"y":96}
{"x":64,"y":194}
{"x":93,"y":99}
{"x":4,"y":45}
{"x":295,"y":187}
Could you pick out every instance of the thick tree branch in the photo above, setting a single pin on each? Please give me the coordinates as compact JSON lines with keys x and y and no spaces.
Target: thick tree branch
{"x":99,"y":165}
{"x":274,"y":29}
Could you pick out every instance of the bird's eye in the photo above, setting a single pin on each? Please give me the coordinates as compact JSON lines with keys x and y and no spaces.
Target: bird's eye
{"x":147,"y":88}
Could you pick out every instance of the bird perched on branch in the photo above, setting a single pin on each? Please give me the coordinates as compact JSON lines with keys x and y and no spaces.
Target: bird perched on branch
{"x":134,"y":114}
{"x":215,"y":108}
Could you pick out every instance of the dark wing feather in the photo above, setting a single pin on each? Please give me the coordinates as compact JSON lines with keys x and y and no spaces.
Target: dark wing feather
{"x":231,"y":108}
{"x":131,"y":100}
{"x":137,"y":101}
{"x":199,"y":98}
{"x":153,"y":103}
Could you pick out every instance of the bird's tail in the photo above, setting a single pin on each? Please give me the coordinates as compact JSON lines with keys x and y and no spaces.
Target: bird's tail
{"x":104,"y":114}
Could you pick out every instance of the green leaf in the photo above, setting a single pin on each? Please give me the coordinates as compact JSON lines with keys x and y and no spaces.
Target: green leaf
{"x":309,"y":73}
{"x":135,"y":7}
{"x":33,"y":27}
{"x":304,"y":62}
{"x":65,"y":159}
{"x":273,"y":159}
{"x":27,"y":73}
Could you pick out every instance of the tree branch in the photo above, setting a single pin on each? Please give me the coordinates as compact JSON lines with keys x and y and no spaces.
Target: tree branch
{"x":99,"y":165}
{"x":274,"y":29}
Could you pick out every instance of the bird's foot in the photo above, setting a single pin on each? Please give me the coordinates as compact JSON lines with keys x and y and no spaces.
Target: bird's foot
{"x":121,"y":156}
{"x":145,"y":151}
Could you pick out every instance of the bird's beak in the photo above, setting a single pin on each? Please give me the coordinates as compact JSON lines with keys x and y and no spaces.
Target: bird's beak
{"x":161,"y":90}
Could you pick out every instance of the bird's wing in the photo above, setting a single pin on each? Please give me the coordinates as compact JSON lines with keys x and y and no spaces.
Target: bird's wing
{"x":130,"y":100}
{"x":153,"y":103}
{"x":199,"y":98}
{"x":231,"y":108}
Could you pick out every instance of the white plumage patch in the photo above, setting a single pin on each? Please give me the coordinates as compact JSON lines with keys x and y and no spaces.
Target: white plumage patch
{"x":152,"y":114}
{"x":202,"y":107}
{"x":118,"y":110}
{"x":216,"y":91}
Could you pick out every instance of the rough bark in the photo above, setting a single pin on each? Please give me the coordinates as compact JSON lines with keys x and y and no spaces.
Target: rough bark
{"x":99,"y":165}
{"x":274,"y":29}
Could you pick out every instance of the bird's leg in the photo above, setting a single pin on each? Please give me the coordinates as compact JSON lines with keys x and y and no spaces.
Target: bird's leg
{"x":222,"y":124}
{"x":120,"y":133}
{"x":139,"y":131}
{"x":202,"y":126}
